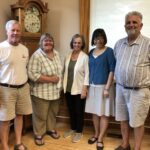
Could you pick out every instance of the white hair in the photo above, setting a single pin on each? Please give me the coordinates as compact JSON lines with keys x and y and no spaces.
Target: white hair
{"x":134,"y":13}
{"x":10,"y":23}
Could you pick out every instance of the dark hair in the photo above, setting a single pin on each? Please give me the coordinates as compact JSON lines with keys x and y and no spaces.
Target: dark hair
{"x":43,"y":37}
{"x":77,"y":36}
{"x":98,"y":32}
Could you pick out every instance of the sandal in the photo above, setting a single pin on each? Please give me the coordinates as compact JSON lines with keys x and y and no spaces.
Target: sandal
{"x":53,"y":134}
{"x":121,"y":148}
{"x":92,"y":140}
{"x":18,"y":147}
{"x":38,"y":141}
{"x":100,"y":145}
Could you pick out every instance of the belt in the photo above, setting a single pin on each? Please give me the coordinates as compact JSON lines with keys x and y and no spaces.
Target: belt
{"x":12,"y":86}
{"x":133,"y":88}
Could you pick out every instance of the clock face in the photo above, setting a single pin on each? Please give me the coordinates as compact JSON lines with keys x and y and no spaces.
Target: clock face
{"x":32,"y":20}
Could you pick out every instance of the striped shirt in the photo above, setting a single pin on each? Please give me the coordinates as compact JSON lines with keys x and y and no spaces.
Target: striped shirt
{"x":133,"y":62}
{"x":40,"y":64}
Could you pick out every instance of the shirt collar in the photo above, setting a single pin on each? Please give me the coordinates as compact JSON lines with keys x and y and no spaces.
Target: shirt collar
{"x":45,"y":53}
{"x":136,"y":42}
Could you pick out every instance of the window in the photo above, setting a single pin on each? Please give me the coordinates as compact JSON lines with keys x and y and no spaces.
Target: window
{"x":109,"y":15}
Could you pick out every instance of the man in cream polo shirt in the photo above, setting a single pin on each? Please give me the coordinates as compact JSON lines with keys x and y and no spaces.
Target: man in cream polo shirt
{"x":14,"y":89}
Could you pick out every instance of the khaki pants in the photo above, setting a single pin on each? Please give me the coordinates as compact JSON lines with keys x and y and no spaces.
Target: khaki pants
{"x":44,"y":115}
{"x":14,"y":101}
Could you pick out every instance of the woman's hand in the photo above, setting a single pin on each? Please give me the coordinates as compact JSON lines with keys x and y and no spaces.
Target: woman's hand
{"x":106,"y":93}
{"x":54,"y":79}
{"x":48,"y":79}
{"x":84,"y":92}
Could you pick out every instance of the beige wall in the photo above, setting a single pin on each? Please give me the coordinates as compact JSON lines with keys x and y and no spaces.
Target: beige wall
{"x":4,"y":16}
{"x":62,"y":21}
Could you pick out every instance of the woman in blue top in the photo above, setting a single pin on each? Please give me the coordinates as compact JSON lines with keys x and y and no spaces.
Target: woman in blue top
{"x":100,"y":101}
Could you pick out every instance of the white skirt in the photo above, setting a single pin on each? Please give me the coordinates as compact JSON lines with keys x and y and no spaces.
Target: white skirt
{"x":97,"y":104}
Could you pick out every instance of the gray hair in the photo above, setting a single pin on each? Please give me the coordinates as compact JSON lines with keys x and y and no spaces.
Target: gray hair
{"x":10,"y":23}
{"x":43,"y":37}
{"x":134,"y":13}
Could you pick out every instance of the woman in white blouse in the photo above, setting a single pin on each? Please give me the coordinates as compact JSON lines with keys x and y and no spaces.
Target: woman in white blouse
{"x":76,"y":80}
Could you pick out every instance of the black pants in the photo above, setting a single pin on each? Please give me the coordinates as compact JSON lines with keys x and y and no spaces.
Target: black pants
{"x":76,"y":107}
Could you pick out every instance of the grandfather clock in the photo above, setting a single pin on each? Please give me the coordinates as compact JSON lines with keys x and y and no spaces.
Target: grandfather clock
{"x":32,"y":15}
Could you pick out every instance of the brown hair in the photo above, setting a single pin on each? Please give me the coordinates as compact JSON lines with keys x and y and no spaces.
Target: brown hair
{"x":78,"y":36}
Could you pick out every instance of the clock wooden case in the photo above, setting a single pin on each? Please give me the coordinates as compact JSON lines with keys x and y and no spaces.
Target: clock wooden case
{"x":32,"y":15}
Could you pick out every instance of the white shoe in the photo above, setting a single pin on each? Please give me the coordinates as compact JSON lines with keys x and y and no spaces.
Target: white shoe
{"x":77,"y":137}
{"x":68,"y":133}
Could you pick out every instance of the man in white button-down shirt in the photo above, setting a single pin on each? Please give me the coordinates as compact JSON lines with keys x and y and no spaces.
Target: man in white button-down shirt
{"x":132,"y":75}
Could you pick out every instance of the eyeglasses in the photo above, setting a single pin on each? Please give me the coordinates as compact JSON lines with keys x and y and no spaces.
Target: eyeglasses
{"x":98,"y":38}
